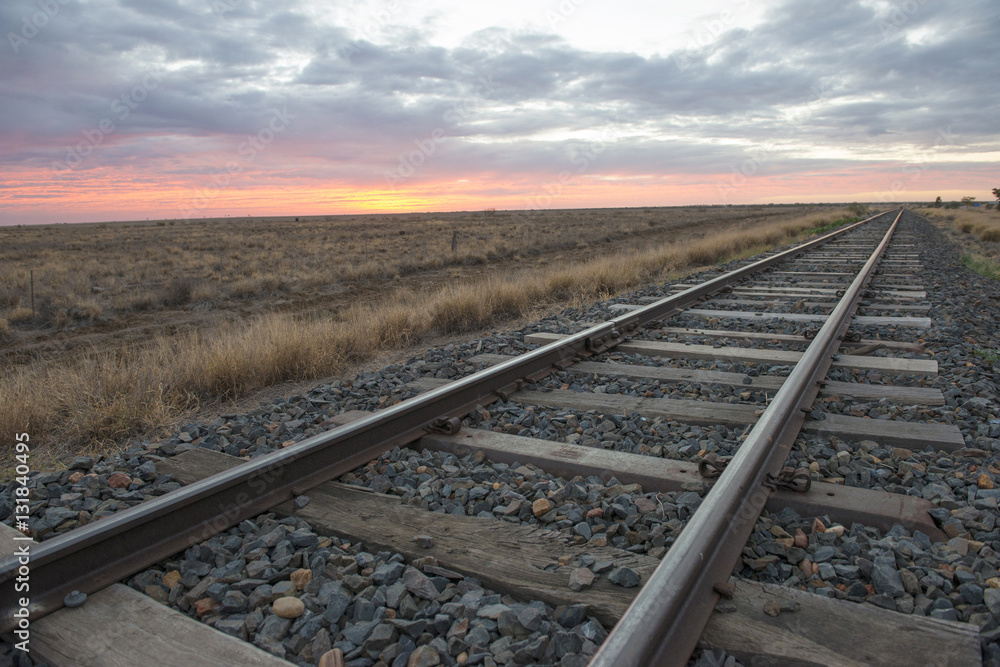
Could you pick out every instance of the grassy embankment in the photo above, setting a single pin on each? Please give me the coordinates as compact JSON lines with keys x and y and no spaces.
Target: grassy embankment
{"x":100,"y":401}
{"x":981,"y":236}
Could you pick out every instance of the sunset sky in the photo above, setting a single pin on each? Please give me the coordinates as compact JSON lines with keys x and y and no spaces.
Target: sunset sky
{"x":133,"y":109}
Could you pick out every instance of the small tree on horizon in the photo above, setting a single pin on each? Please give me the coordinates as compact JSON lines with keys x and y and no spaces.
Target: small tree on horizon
{"x":937,"y":203}
{"x":996,"y":193}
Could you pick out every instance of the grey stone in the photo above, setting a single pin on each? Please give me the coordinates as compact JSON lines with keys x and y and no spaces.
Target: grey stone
{"x":82,"y":463}
{"x":233,"y":602}
{"x":336,"y":607}
{"x":944,"y":614}
{"x":477,"y":636}
{"x":507,"y":624}
{"x":233,"y":627}
{"x":564,"y":643}
{"x":54,"y":516}
{"x":274,"y":628}
{"x":412,"y":628}
{"x":419,"y":584}
{"x":571,"y":616}
{"x":388,"y":573}
{"x":531,"y":618}
{"x":380,"y":638}
{"x":991,"y":596}
{"x":886,"y":579}
{"x":971,"y":593}
{"x":492,"y":611}
{"x":624,"y":577}
{"x":357,"y":633}
{"x":823,"y":554}
{"x":602,"y":566}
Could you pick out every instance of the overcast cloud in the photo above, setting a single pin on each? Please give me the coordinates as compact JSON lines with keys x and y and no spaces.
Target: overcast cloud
{"x":159,"y":96}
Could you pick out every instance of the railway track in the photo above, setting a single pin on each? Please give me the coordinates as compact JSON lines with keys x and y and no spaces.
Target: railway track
{"x":686,"y":488}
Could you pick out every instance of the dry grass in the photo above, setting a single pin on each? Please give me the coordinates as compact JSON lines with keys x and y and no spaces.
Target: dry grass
{"x":984,"y":224}
{"x":18,"y":314}
{"x":976,"y":231}
{"x":125,"y":268}
{"x":106,"y":397}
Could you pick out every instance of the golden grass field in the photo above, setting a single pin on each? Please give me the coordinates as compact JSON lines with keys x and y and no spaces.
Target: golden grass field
{"x":138,"y":325}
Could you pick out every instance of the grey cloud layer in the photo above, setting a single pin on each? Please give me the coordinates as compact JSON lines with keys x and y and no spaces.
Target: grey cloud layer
{"x":814,"y":73}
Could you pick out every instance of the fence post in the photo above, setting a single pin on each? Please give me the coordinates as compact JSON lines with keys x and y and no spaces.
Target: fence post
{"x":454,"y":241}
{"x":32,"y":274}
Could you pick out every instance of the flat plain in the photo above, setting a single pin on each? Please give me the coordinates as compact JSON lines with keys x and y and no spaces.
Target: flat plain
{"x":135,"y":325}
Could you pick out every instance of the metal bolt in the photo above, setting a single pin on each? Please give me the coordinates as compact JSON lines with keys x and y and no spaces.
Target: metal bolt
{"x":75,"y":599}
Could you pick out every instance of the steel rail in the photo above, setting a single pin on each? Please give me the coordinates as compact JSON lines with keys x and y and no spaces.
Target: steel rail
{"x":664,"y":622}
{"x":94,"y":556}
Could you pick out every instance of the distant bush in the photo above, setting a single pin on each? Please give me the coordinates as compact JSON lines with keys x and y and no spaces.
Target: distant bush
{"x":139,"y":304}
{"x":249,"y":288}
{"x":992,"y":235}
{"x":18,"y":315}
{"x":54,"y":314}
{"x":967,"y":227}
{"x":9,"y":299}
{"x":179,"y":292}
{"x":86,"y":310}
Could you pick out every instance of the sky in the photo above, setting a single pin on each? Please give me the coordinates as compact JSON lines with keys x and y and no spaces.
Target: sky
{"x":133,"y":109}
